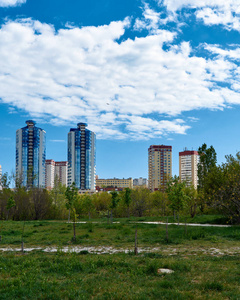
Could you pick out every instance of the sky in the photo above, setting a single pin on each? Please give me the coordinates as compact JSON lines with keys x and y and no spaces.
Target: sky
{"x":139,"y":73}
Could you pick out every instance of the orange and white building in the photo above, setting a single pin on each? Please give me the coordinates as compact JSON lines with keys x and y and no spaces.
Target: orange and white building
{"x":55,"y":170}
{"x":159,"y":166}
{"x":188,"y":166}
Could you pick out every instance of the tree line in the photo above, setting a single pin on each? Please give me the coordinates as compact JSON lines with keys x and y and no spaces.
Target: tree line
{"x":218,"y":192}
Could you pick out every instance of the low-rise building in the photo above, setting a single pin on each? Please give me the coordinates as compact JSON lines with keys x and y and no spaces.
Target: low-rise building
{"x":140,"y":182}
{"x":114,"y":183}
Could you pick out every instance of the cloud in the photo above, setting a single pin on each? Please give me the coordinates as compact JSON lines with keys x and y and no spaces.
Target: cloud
{"x":211,"y":12}
{"x":123,"y":88}
{"x":58,"y":141}
{"x":8,"y":3}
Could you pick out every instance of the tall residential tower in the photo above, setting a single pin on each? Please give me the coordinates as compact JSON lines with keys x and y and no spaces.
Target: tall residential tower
{"x":82,"y":157}
{"x":31,"y":155}
{"x":188,"y":166}
{"x":159,"y":166}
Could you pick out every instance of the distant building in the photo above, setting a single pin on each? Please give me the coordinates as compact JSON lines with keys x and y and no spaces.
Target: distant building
{"x":55,"y":171}
{"x":140,"y":182}
{"x":188,"y":166}
{"x":31,"y":155}
{"x":114,"y":183}
{"x":82,"y":157}
{"x":61,"y":169}
{"x":159,"y":166}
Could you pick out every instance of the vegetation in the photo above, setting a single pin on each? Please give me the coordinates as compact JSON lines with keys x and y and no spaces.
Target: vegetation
{"x":122,"y":276}
{"x":65,"y":275}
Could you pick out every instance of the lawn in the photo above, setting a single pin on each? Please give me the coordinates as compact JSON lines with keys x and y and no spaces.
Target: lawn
{"x":205,"y":261}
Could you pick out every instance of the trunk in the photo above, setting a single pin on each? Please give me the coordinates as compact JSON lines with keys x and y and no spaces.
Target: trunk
{"x":74,"y":230}
{"x":108,"y":216}
{"x":22,"y":237}
{"x":111,"y":217}
{"x":186,"y":227}
{"x":89,"y":215}
{"x":136,"y":244}
{"x":167,"y":230}
{"x":178,"y":219}
{"x":69,"y":215}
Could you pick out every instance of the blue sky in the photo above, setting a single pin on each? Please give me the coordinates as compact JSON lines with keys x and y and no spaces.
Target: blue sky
{"x":138,"y":72}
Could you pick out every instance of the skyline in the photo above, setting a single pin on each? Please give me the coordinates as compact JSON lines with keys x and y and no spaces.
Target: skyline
{"x":140,"y":73}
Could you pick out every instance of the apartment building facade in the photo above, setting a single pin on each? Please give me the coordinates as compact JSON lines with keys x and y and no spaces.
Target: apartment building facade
{"x":82,"y":157}
{"x":55,"y":171}
{"x":188,"y":166}
{"x":159,"y":166}
{"x":31,"y":155}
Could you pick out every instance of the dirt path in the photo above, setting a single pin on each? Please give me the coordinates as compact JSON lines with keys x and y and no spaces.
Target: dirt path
{"x":165,"y":250}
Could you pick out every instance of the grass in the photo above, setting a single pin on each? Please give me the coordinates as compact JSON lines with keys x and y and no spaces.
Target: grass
{"x":199,"y":272}
{"x":59,"y":234}
{"x":122,"y":276}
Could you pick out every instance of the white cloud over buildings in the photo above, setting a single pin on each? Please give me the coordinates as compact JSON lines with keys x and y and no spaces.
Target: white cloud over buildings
{"x":124,"y":88}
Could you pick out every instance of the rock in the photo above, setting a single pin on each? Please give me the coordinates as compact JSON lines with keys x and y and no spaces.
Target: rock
{"x":165,"y":271}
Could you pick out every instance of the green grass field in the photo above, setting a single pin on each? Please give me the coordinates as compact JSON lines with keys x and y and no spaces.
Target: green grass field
{"x":205,"y":261}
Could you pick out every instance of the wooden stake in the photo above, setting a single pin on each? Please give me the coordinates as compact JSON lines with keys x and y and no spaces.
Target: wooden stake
{"x":136,"y":243}
{"x":167,"y":230}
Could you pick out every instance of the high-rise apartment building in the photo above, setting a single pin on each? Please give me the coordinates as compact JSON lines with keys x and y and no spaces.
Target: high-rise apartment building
{"x":55,"y":170}
{"x":50,"y":173}
{"x":31,"y":155}
{"x":188,"y":166}
{"x":82,"y":157}
{"x":159,"y":166}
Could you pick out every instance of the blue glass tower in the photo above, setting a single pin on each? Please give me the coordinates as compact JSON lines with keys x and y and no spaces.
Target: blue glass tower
{"x":31,"y":155}
{"x":82,"y":157}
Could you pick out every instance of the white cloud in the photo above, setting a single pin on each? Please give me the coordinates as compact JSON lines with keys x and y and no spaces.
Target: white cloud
{"x":121,"y":89}
{"x":212,"y":12}
{"x":58,"y":141}
{"x":7,"y":3}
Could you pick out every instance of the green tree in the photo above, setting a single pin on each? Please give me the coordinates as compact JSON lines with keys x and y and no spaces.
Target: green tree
{"x":207,"y":162}
{"x":224,"y":185}
{"x":127,"y":199}
{"x":71,"y":195}
{"x":191,"y":199}
{"x":57,"y":195}
{"x":176,"y":194}
{"x":114,"y":202}
{"x":86,"y":205}
{"x":158,"y":203}
{"x":10,"y":203}
{"x":140,"y":200}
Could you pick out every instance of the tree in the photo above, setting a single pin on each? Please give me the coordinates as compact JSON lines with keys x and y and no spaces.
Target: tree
{"x":140,"y":200}
{"x":207,"y":162}
{"x":191,"y":199}
{"x":10,"y":203}
{"x":86,"y":205}
{"x":224,"y":185}
{"x":57,"y":195}
{"x":176,"y":194}
{"x":127,"y":199}
{"x":71,"y":195}
{"x":5,"y":181}
{"x":158,"y":202}
{"x":115,"y":199}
